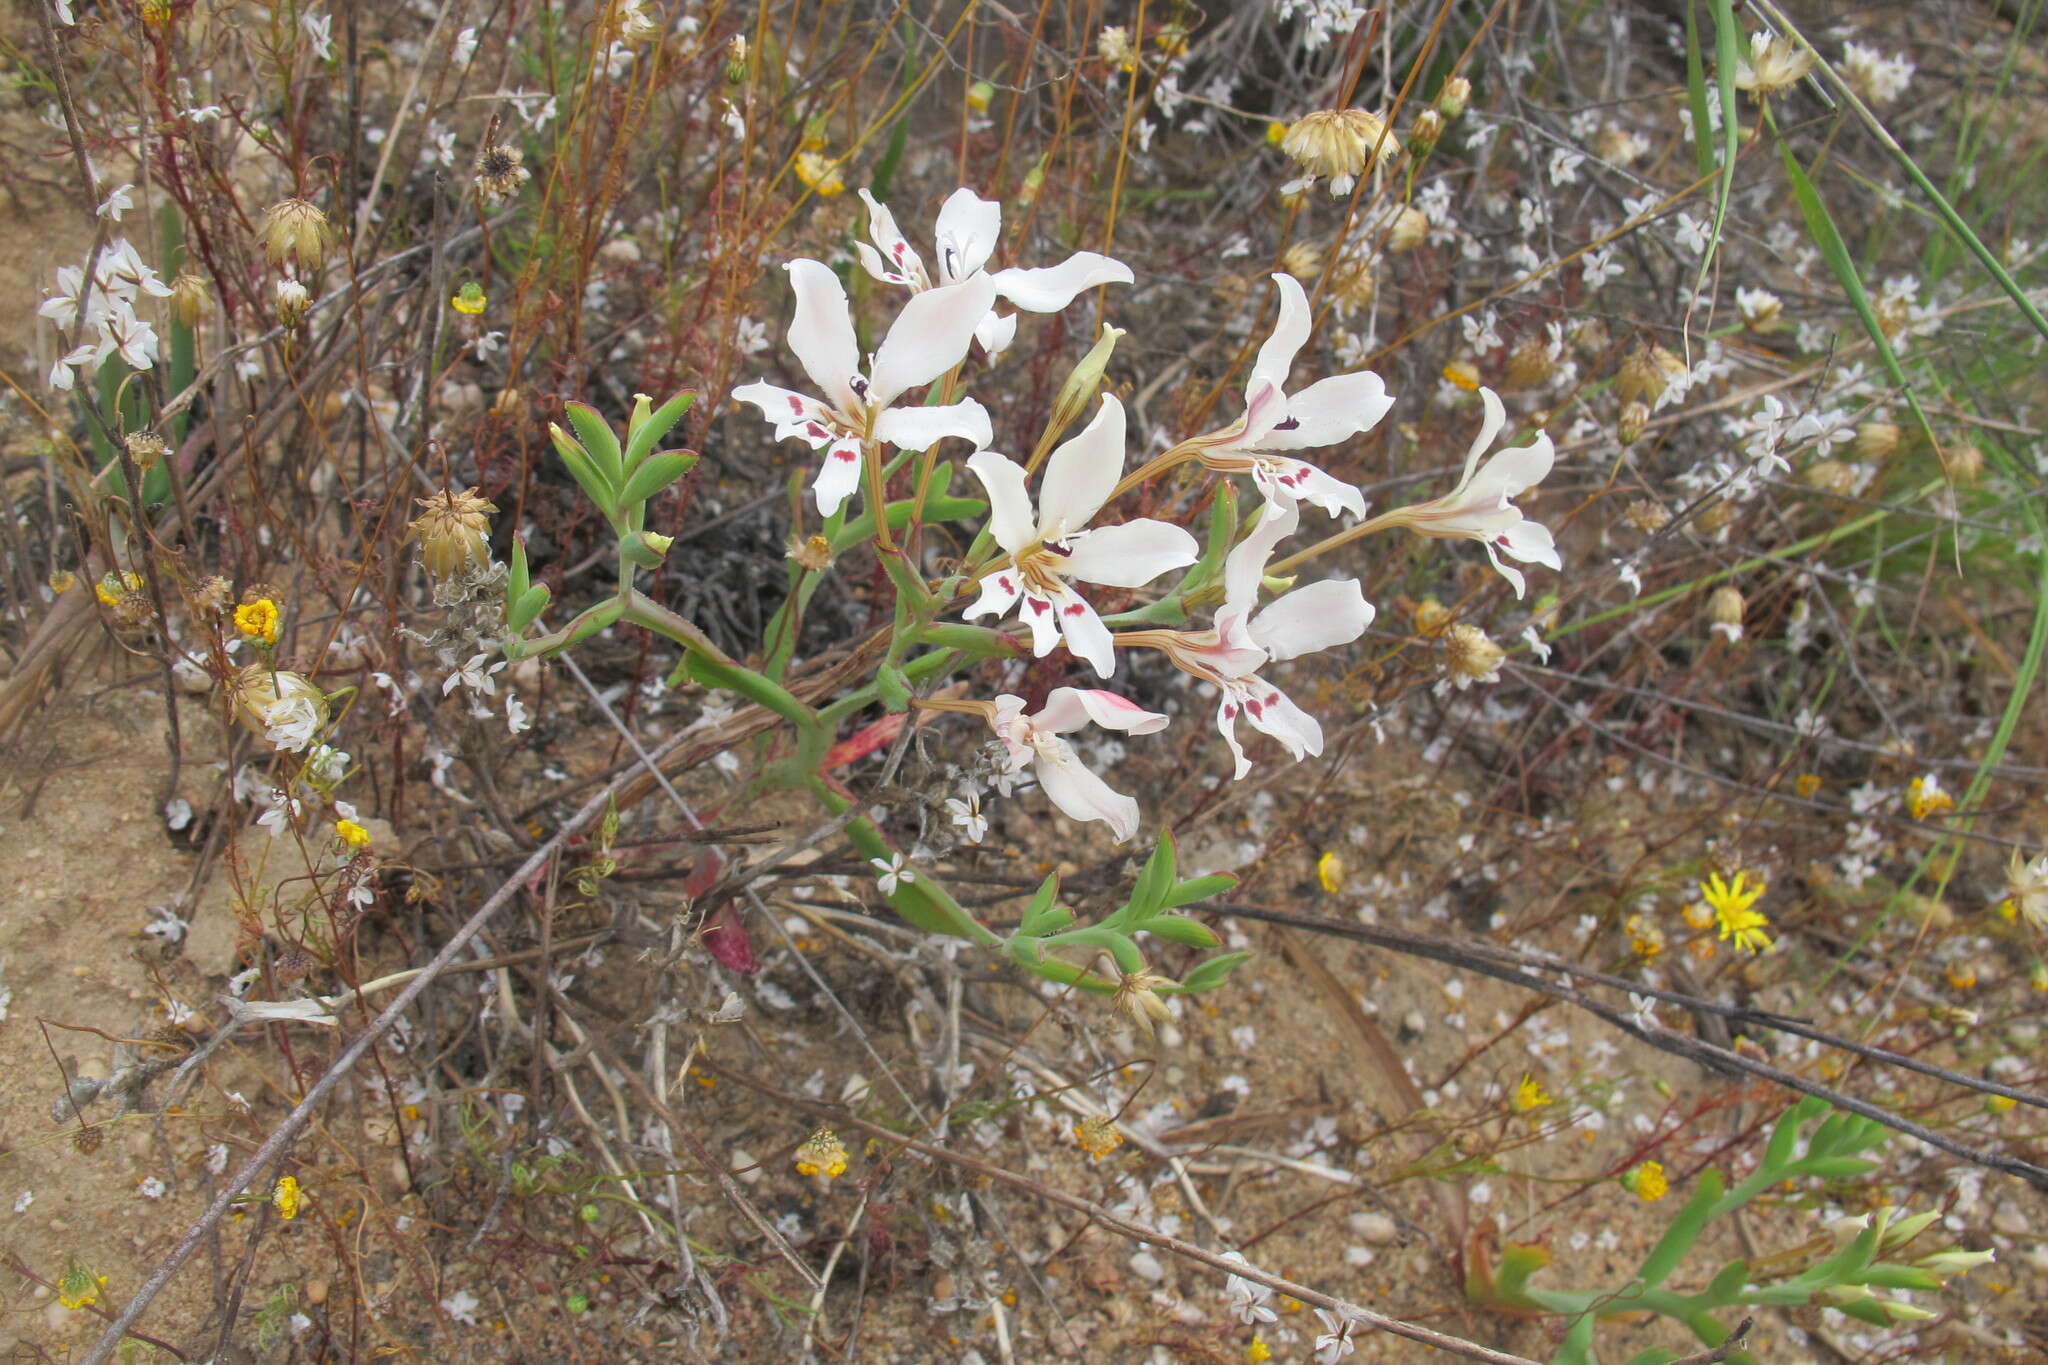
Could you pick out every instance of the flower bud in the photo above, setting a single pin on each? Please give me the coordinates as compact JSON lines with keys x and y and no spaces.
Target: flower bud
{"x":1431,"y":617}
{"x":1410,"y":229}
{"x":1715,"y":516}
{"x":1078,"y":393}
{"x":146,"y":448}
{"x":191,"y":300}
{"x":645,"y":548}
{"x":1470,"y":657}
{"x":1646,"y":373}
{"x":1423,"y":133}
{"x":1635,"y":415}
{"x":736,"y":60}
{"x":1830,"y":476}
{"x":1904,"y":1312}
{"x":1875,"y":440}
{"x":1965,"y":462}
{"x":1532,"y":364}
{"x":296,"y":231}
{"x":293,"y":303}
{"x":979,"y":95}
{"x":1759,"y":309}
{"x":1451,"y":100}
{"x":1303,"y":260}
{"x":1956,"y":1261}
{"x":1725,"y":606}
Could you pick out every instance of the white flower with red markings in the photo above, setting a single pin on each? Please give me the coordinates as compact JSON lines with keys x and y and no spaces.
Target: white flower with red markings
{"x":929,"y":337}
{"x":964,"y":237}
{"x":1326,"y":412}
{"x":1229,"y":655}
{"x":1054,"y":545}
{"x":1481,"y":507}
{"x":1038,"y":742}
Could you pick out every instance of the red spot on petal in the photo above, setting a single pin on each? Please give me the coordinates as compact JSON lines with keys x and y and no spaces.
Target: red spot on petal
{"x":842,"y":453}
{"x":1254,"y":707}
{"x":816,"y":431}
{"x":796,"y":405}
{"x":1008,"y":584}
{"x":1230,"y":711}
{"x":1076,"y":608}
{"x":1037,"y":604}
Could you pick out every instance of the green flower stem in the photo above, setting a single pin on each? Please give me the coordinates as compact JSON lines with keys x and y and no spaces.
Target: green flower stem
{"x":923,"y":902}
{"x":710,"y":663}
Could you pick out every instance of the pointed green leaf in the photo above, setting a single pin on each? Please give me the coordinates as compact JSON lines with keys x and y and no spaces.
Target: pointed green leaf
{"x":599,"y":441}
{"x":599,"y":489}
{"x":647,"y":432}
{"x":527,"y":606}
{"x":656,"y":473}
{"x":1199,"y":889}
{"x":1209,"y":973}
{"x":1189,"y":933}
{"x":516,"y":579}
{"x":1044,"y":914}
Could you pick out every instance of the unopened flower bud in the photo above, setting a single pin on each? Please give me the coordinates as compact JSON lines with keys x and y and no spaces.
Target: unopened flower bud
{"x":191,"y":300}
{"x":293,"y":303}
{"x":1635,"y":415}
{"x":1431,"y":617}
{"x":1646,"y":373}
{"x":1423,"y":133}
{"x":1724,"y":608}
{"x":1759,"y":309}
{"x":1830,"y":476}
{"x":1965,"y":462}
{"x":736,"y":60}
{"x":1715,"y":516}
{"x":979,"y":96}
{"x":1303,"y":260}
{"x":1956,"y":1261}
{"x":295,"y":231}
{"x":645,"y":548}
{"x":1875,"y":440}
{"x":1078,"y":393}
{"x":1451,"y":100}
{"x":1410,"y":229}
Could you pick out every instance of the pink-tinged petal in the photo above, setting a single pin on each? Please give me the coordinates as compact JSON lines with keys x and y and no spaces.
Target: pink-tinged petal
{"x":996,"y":332}
{"x":1270,"y":711}
{"x":1289,"y":482}
{"x":1051,"y":288}
{"x":821,"y":332}
{"x":1227,"y":712}
{"x":919,"y":428}
{"x":789,"y":410}
{"x":1265,"y":403}
{"x":929,"y":337}
{"x":1508,"y":571}
{"x":1130,"y":555}
{"x":837,"y":477}
{"x":1245,"y":565}
{"x":1512,"y":471}
{"x":1086,"y":636}
{"x":966,"y":234}
{"x":1496,"y":417}
{"x":1081,"y":473}
{"x":1081,"y":795}
{"x":1070,"y":708}
{"x":1319,"y":616}
{"x":1010,"y":728}
{"x":1290,"y":334}
{"x":1234,"y":654}
{"x":1042,"y":614}
{"x":1328,"y":411}
{"x":1530,"y":542}
{"x":1009,"y":506}
{"x":877,"y":268}
{"x":999,"y":592}
{"x":892,"y":249}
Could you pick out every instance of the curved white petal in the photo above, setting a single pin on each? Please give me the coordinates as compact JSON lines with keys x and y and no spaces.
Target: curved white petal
{"x":1081,"y":795}
{"x":1333,"y":612}
{"x":1009,"y":506}
{"x":1330,"y":410}
{"x":1289,"y":481}
{"x":999,"y":593}
{"x":1011,"y":728}
{"x":966,"y":234}
{"x":1043,"y":617}
{"x":1513,"y":470}
{"x":1245,"y":565}
{"x":929,"y":337}
{"x":1265,"y":404}
{"x":1496,"y":416}
{"x":1086,"y":636}
{"x":1070,"y":708}
{"x":872,"y":262}
{"x":995,"y":332}
{"x":837,"y":477}
{"x":1081,"y":473}
{"x":1048,"y":289}
{"x":1290,"y":334}
{"x":1530,"y":542}
{"x":821,"y":332}
{"x":893,"y":250}
{"x":1227,"y":712}
{"x":1273,"y":713}
{"x":1130,"y":555}
{"x":789,"y":410}
{"x":919,"y":428}
{"x":1507,"y":571}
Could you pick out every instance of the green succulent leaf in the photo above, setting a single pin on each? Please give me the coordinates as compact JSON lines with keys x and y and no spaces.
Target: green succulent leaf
{"x":1210,"y":973}
{"x":1189,"y":933}
{"x":655,"y":474}
{"x":646,"y":429}
{"x":599,"y":441}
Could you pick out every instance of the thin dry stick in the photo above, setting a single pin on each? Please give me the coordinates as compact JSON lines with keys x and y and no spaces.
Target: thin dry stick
{"x":283,"y":1135}
{"x":1137,"y":1232}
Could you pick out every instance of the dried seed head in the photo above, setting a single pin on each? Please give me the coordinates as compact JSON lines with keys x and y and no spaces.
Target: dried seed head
{"x":1113,"y":45}
{"x":1137,"y":998}
{"x":821,"y":1154}
{"x":1829,"y":476}
{"x":1725,"y":606}
{"x":1334,"y":143}
{"x":1353,"y":285}
{"x":1303,"y":260}
{"x":1532,"y":364}
{"x":1470,"y":657}
{"x":813,"y":555}
{"x":500,"y":171}
{"x":1431,"y":617}
{"x":191,"y":299}
{"x":1648,"y":516}
{"x":1646,"y":373}
{"x":294,"y":231}
{"x":212,"y":596}
{"x":1772,"y":64}
{"x":1423,"y":133}
{"x":1716,"y":516}
{"x":256,"y":691}
{"x":453,"y":531}
{"x":85,"y":1142}
{"x":146,"y":448}
{"x":1965,"y":462}
{"x":1760,"y":309}
{"x":1410,"y":229}
{"x":1875,"y":440}
{"x":1097,"y":1135}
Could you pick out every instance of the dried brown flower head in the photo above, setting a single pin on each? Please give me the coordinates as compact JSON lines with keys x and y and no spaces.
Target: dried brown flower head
{"x":1337,"y":144}
{"x":1470,"y":657}
{"x":453,"y":531}
{"x":500,"y":171}
{"x":295,"y":231}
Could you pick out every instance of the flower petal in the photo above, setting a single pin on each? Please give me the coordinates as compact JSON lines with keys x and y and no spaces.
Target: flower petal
{"x":1512,"y":471}
{"x":1070,"y":708}
{"x":1009,"y":506}
{"x":999,"y":593}
{"x":1273,"y":713}
{"x":790,"y":411}
{"x":1246,"y":563}
{"x":894,"y":261}
{"x":1081,"y":795}
{"x":1130,"y":555}
{"x":929,"y":337}
{"x":966,"y":234}
{"x":1226,"y":721}
{"x":1508,"y":571}
{"x":1330,"y":410}
{"x":1048,"y":289}
{"x":1333,"y":612}
{"x":1043,"y":617}
{"x":1530,"y":542}
{"x":837,"y":477}
{"x":1086,"y":636}
{"x":1290,"y":334}
{"x":1290,"y":482}
{"x":919,"y":428}
{"x":995,"y":333}
{"x":821,"y":332}
{"x":1496,"y":416}
{"x":1082,"y":472}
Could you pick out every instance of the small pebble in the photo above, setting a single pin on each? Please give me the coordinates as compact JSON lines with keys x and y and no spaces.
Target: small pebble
{"x":1376,"y":1228}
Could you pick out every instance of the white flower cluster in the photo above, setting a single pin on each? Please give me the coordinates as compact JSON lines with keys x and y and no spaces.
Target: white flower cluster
{"x":109,"y":325}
